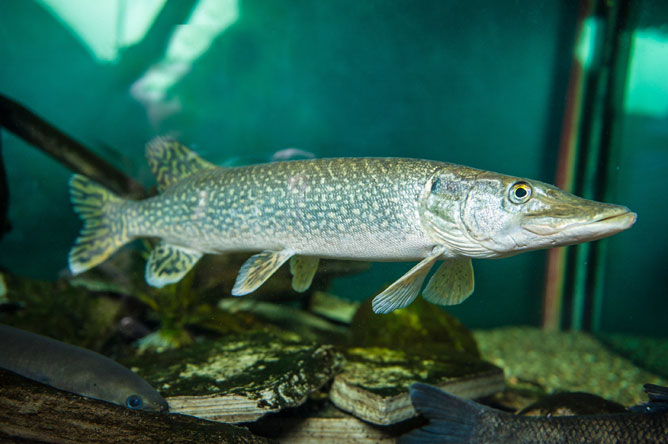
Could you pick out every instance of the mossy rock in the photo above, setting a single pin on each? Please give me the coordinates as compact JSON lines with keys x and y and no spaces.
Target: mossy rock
{"x":240,"y":377}
{"x":420,"y":329}
{"x":375,"y":380}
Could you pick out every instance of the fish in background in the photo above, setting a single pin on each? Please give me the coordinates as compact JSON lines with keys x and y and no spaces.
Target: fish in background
{"x":75,"y":369}
{"x":370,"y":209}
{"x":278,"y":156}
{"x":453,"y":420}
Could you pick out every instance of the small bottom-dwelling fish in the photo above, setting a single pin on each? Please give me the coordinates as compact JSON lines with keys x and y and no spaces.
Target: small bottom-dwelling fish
{"x":75,"y":369}
{"x":453,"y":420}
{"x":371,"y":209}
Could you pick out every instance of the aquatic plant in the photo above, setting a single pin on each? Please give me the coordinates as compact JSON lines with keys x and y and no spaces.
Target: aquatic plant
{"x":59,"y":310}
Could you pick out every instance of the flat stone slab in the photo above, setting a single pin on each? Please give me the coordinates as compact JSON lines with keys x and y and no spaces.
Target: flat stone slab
{"x":329,"y":425}
{"x":374,"y":383}
{"x":240,"y":378}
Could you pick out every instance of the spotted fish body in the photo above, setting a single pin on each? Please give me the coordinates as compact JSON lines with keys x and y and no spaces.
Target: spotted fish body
{"x":365,"y":209}
{"x":375,"y":209}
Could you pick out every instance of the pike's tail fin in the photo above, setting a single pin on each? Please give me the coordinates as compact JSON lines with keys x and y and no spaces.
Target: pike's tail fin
{"x":104,"y":224}
{"x":452,"y":420}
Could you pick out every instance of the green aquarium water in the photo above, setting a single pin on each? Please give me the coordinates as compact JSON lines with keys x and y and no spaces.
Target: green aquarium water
{"x":566,"y":93}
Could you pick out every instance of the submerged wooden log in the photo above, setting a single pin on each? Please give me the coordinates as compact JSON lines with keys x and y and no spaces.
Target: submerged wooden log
{"x":33,"y":412}
{"x":4,"y":196}
{"x":39,"y":133}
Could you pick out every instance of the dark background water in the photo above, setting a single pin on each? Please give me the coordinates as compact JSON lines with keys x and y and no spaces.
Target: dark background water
{"x":481,"y":83}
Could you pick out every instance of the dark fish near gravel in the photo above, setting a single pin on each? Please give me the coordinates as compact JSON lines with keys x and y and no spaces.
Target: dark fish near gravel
{"x":453,"y":420}
{"x":370,"y":209}
{"x":75,"y":369}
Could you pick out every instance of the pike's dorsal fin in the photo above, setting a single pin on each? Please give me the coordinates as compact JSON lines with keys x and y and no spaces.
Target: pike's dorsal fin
{"x":452,"y":282}
{"x":303,"y":269}
{"x":257,"y":269}
{"x":171,"y":161}
{"x":404,"y":291}
{"x":169,"y":263}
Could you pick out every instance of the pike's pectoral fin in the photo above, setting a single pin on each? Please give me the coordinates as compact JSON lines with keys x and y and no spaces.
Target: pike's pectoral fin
{"x":404,"y":291}
{"x":168,"y":263}
{"x":303,"y":269}
{"x":452,"y":283}
{"x":257,"y":269}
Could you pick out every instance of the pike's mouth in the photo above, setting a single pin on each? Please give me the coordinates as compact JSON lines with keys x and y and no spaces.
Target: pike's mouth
{"x":605,"y":225}
{"x":626,"y":219}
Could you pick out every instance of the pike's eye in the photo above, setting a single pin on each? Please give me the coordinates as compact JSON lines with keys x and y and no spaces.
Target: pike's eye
{"x":520,"y":192}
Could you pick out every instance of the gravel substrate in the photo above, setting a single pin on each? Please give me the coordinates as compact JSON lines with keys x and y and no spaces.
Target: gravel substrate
{"x":565,"y":361}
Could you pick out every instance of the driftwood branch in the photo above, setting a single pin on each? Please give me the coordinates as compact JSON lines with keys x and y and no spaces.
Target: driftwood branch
{"x":32,"y":412}
{"x":4,"y":196}
{"x":39,"y":133}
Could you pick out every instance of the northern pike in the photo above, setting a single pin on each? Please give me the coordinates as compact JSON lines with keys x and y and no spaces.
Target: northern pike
{"x":369,"y":209}
{"x":453,"y":420}
{"x":76,"y":370}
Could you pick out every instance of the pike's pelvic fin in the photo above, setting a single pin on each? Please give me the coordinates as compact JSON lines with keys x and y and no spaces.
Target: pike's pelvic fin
{"x":104,"y":227}
{"x":452,"y":283}
{"x":303,"y":269}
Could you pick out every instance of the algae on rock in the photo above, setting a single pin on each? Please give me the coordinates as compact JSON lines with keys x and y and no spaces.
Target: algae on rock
{"x":421,"y":328}
{"x":374,"y":383}
{"x":240,"y":377}
{"x":419,"y":343}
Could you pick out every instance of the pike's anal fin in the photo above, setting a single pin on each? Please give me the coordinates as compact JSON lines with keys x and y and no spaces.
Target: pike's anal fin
{"x":257,"y":269}
{"x":303,"y":269}
{"x":404,"y":290}
{"x":452,"y":283}
{"x":168,"y":263}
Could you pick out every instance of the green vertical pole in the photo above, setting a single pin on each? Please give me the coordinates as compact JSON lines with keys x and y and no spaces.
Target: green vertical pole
{"x":619,"y":63}
{"x":602,"y":107}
